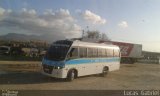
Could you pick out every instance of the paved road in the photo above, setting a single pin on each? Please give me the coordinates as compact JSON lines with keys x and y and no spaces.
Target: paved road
{"x":135,"y":76}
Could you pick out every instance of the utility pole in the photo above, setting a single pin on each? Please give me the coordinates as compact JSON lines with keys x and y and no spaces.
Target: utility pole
{"x":86,"y":30}
{"x":82,"y":33}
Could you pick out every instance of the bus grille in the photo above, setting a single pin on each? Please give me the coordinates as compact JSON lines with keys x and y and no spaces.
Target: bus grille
{"x":47,"y":69}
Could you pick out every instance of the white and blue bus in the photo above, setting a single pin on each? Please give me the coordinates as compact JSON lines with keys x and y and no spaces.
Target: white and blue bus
{"x":71,"y":59}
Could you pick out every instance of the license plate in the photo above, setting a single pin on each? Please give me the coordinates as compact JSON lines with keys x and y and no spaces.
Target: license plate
{"x":47,"y":70}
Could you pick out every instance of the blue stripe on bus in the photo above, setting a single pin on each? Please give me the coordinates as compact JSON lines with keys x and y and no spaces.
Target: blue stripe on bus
{"x":90,"y":61}
{"x":80,"y":61}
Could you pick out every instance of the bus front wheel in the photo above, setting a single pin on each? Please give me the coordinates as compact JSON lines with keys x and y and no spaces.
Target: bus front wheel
{"x":105,"y":71}
{"x":71,"y":75}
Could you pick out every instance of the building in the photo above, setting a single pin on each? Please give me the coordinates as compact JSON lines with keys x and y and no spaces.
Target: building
{"x":151,"y":55}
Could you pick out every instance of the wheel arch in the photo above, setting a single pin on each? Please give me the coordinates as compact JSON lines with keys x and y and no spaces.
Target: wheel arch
{"x":107,"y":67}
{"x":75,"y":70}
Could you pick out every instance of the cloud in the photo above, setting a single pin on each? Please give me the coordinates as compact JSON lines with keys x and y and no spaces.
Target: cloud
{"x":58,"y":23}
{"x":2,"y":11}
{"x":123,"y":24}
{"x":49,"y":11}
{"x":93,"y":18}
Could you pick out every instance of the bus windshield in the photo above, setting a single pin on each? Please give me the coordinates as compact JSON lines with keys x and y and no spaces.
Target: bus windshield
{"x":58,"y":50}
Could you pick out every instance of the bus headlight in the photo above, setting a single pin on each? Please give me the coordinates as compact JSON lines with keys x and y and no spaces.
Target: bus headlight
{"x":58,"y":67}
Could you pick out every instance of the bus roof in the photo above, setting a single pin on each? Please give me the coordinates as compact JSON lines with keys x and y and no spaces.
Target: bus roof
{"x":97,"y":45}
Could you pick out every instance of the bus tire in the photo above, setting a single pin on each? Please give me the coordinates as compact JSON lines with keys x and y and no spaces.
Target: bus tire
{"x":105,"y":71}
{"x":71,"y":75}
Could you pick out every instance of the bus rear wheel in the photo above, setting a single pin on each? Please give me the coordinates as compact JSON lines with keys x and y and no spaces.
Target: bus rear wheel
{"x":71,"y":75}
{"x":105,"y":71}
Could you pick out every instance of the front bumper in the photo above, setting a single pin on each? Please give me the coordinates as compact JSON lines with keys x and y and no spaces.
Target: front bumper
{"x":57,"y":73}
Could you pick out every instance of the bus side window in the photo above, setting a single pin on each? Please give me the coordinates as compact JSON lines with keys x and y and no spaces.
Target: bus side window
{"x":103,"y":53}
{"x":90,"y":52}
{"x":110,"y":52}
{"x":82,"y":52}
{"x":99,"y":52}
{"x":95,"y":52}
{"x":116,"y":53}
{"x":73,"y":53}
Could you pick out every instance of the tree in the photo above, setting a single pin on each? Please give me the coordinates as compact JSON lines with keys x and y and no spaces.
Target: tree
{"x":105,"y":37}
{"x":96,"y":35}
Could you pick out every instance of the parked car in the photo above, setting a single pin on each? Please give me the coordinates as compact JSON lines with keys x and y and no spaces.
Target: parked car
{"x":4,"y":50}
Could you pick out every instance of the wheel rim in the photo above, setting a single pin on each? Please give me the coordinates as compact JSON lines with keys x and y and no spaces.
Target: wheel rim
{"x":105,"y":70}
{"x":72,"y":75}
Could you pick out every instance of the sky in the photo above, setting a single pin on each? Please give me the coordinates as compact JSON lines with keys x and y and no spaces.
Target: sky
{"x":132,"y":21}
